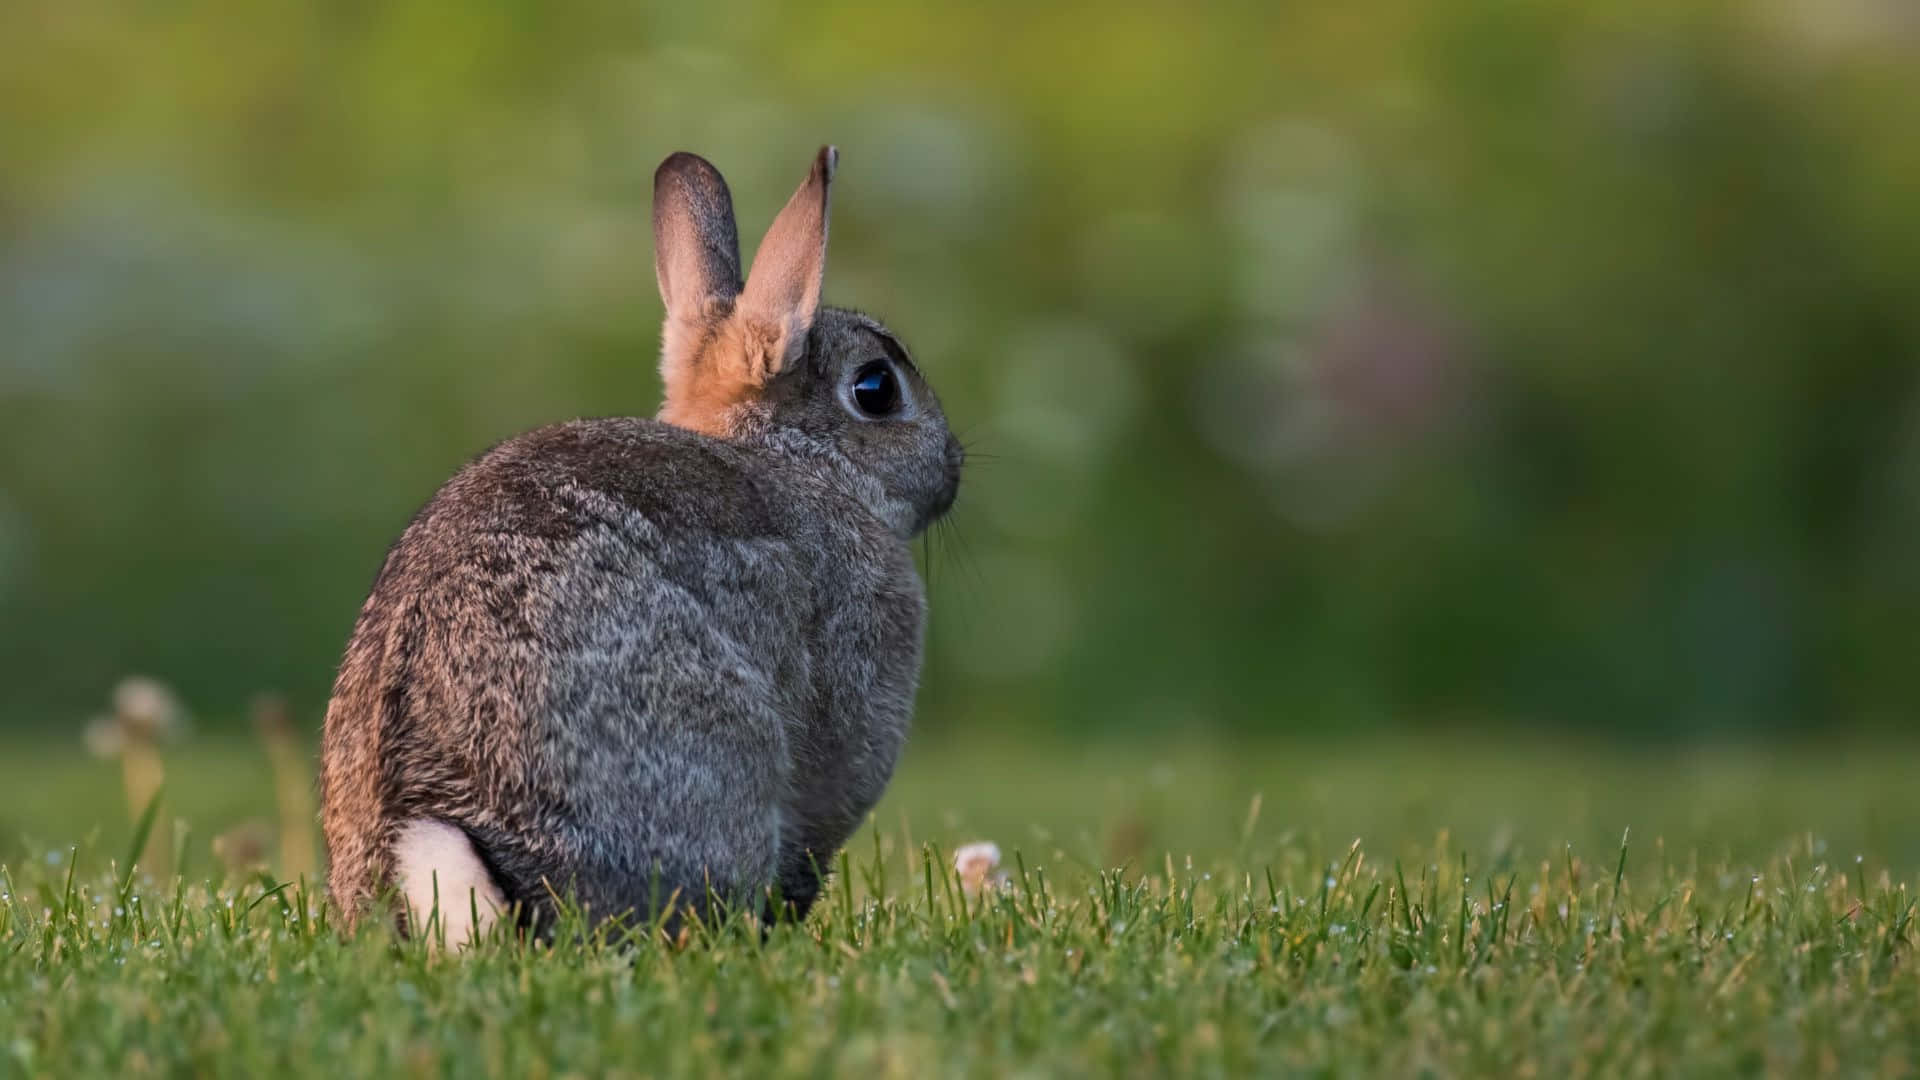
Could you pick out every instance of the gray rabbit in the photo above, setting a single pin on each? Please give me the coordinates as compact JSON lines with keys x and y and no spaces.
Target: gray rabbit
{"x":625,"y":659}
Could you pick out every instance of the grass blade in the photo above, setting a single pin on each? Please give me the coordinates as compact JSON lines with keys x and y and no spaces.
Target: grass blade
{"x":142,"y":829}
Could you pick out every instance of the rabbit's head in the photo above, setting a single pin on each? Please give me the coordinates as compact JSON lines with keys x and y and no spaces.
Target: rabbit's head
{"x":764,"y":359}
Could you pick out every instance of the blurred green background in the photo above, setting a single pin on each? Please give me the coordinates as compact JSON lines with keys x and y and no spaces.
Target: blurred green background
{"x":1332,"y":368}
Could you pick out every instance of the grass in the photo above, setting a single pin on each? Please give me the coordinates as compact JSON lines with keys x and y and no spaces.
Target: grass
{"x":1495,"y":916}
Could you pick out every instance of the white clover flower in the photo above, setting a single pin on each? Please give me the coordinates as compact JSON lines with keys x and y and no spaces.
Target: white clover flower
{"x":148,"y":707}
{"x":976,"y":863}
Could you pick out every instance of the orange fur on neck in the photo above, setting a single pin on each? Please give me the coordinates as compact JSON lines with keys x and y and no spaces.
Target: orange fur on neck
{"x":709,"y":368}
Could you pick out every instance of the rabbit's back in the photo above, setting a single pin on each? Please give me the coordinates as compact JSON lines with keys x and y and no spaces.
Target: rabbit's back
{"x":625,"y":659}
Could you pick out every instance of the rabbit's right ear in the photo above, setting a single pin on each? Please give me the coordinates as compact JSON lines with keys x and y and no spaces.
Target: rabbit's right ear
{"x":696,"y":256}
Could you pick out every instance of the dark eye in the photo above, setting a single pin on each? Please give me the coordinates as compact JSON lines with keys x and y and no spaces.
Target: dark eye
{"x":875,"y":389}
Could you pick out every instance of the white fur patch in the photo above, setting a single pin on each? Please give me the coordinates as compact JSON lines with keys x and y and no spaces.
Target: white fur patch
{"x":433,"y":859}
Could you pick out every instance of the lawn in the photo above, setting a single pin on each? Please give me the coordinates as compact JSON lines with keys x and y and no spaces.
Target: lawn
{"x":1209,"y":907}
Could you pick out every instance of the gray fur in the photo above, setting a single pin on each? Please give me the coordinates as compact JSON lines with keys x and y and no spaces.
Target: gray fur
{"x":628,"y":658}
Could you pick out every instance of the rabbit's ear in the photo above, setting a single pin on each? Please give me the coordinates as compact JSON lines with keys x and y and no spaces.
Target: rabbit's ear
{"x":696,"y":247}
{"x":783,"y":289}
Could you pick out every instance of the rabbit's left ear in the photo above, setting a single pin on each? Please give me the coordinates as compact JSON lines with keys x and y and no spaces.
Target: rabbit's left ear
{"x":696,"y":255}
{"x":782,"y":294}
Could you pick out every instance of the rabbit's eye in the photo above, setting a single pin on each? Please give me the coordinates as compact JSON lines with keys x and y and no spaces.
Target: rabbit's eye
{"x":875,"y":390}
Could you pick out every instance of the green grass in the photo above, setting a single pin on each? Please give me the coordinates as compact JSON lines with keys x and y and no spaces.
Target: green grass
{"x":1488,"y":919}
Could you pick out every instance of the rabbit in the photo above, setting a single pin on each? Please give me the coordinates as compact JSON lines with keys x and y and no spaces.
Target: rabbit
{"x":629,"y":660}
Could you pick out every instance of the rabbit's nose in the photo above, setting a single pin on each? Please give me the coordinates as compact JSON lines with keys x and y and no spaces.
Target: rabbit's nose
{"x":956,"y":456}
